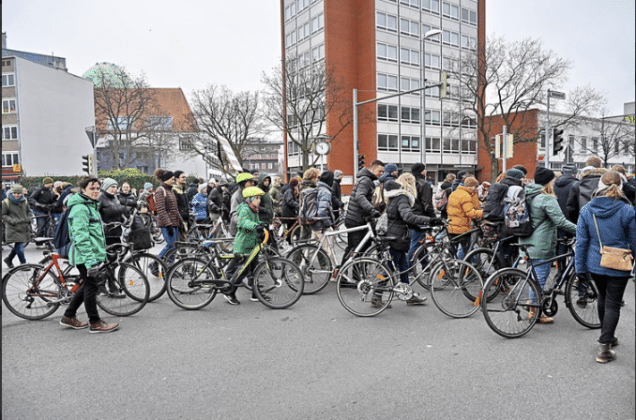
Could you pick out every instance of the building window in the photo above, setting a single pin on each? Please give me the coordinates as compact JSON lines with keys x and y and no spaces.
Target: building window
{"x":584,"y":143}
{"x":409,"y":27}
{"x":451,"y":146}
{"x":388,"y":142}
{"x":469,"y":146}
{"x":387,"y":52}
{"x":386,"y":22}
{"x":10,"y":158}
{"x":387,"y":112}
{"x":185,"y":144}
{"x":407,"y":84}
{"x":160,"y":123}
{"x":426,"y":28}
{"x":571,"y":142}
{"x":450,"y":11}
{"x":410,"y":115}
{"x":8,"y":106}
{"x":8,"y":80}
{"x":318,"y":53}
{"x":9,"y":132}
{"x":120,"y":122}
{"x":432,"y":117}
{"x":410,"y":144}
{"x":317,"y":23}
{"x":411,"y":57}
{"x":387,"y":82}
{"x":431,"y":61}
{"x":595,"y":144}
{"x":433,"y":144}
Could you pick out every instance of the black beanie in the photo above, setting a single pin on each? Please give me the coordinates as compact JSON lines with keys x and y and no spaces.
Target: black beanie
{"x":418,"y":168}
{"x":166,"y":175}
{"x":543,"y":175}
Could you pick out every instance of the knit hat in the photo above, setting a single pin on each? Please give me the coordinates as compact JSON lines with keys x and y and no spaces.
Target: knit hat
{"x":212,"y":181}
{"x":470,"y":182}
{"x":166,"y":175}
{"x":543,"y":176}
{"x":522,"y":169}
{"x":47,"y":180}
{"x":108,"y":182}
{"x":390,"y":167}
{"x":17,"y":189}
{"x":337,"y":173}
{"x":202,"y":186}
{"x":147,"y":185}
{"x":515,"y":173}
{"x":222,"y":182}
{"x":418,"y":168}
{"x":569,"y":169}
{"x":461,"y":174}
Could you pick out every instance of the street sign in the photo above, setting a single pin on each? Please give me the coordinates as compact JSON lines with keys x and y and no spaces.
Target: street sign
{"x":556,"y":95}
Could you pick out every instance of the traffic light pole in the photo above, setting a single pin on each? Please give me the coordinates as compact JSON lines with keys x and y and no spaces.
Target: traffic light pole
{"x":547,"y":135}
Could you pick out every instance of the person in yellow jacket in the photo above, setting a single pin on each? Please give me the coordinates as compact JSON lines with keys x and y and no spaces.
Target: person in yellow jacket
{"x":463,"y":206}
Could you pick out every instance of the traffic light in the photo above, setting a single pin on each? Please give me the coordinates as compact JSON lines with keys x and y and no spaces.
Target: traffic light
{"x":86,"y":163}
{"x":360,"y":162}
{"x":557,"y":140}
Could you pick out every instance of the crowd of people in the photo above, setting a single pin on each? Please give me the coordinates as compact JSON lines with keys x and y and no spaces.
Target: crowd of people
{"x":594,"y":204}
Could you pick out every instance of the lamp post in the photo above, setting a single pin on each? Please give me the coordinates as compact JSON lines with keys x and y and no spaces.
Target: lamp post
{"x":428,"y":34}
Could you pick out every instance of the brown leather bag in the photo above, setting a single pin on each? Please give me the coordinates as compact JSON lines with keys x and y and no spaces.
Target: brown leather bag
{"x":615,"y":258}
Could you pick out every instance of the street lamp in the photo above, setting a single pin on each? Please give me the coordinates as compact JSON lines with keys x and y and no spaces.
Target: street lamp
{"x":428,"y":34}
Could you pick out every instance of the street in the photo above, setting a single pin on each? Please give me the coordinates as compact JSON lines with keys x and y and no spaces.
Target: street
{"x":312,"y":361}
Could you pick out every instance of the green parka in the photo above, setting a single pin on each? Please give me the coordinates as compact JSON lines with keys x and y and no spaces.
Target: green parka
{"x":546,"y":217}
{"x":17,"y":223}
{"x":246,"y":236}
{"x":86,"y":231}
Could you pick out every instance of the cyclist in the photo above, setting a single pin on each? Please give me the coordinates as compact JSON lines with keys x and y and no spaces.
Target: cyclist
{"x":215,"y":201}
{"x":463,"y":206}
{"x":244,"y":180}
{"x":249,"y":228}
{"x":87,"y":252}
{"x":40,"y":200}
{"x":198,"y":204}
{"x":168,"y":216}
{"x":15,"y":216}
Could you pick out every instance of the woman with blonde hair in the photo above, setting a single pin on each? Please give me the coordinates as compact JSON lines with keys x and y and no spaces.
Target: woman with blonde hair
{"x":607,"y":220}
{"x":546,"y":216}
{"x":401,"y":198}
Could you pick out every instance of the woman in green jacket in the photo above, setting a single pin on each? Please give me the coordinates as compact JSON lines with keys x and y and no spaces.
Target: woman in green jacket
{"x":87,"y":252}
{"x":17,"y":223}
{"x":546,"y":217}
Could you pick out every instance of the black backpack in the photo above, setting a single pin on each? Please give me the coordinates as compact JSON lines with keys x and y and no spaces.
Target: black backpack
{"x":62,"y":237}
{"x":308,"y":212}
{"x":140,"y":235}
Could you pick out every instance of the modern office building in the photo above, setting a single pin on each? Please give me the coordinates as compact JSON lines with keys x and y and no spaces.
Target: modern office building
{"x":380,"y":48}
{"x":263,"y":156}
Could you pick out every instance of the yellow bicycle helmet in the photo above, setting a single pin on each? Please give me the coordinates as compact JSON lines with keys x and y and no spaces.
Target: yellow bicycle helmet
{"x":252,"y":192}
{"x":244,"y":176}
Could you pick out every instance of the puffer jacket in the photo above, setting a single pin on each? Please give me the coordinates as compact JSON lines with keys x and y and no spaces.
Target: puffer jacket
{"x":111,"y":210}
{"x":183,"y":204}
{"x":199,"y":207}
{"x":401,"y":217}
{"x":325,"y":207}
{"x":246,"y":235}
{"x":86,"y":231}
{"x":546,"y":217}
{"x":424,"y":201}
{"x":581,"y":193}
{"x":41,"y":198}
{"x":167,"y":210}
{"x":616,"y":221}
{"x":494,"y":205}
{"x":463,"y":206}
{"x":266,"y":208}
{"x":562,"y":188}
{"x":290,"y":203}
{"x":360,"y":205}
{"x":16,"y":219}
{"x":129,"y":201}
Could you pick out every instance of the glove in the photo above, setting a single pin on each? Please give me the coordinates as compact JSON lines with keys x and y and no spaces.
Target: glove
{"x":375,"y":214}
{"x":260,"y":229}
{"x":436,"y":221}
{"x":92,"y":272}
{"x":170,"y":230}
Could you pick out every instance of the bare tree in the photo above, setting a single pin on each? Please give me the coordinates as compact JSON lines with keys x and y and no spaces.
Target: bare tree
{"x":122,"y":106}
{"x":512,"y":78}
{"x":615,"y":137}
{"x":301,"y":98}
{"x":224,"y":115}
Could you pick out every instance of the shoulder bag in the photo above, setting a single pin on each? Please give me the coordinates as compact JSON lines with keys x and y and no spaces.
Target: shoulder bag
{"x":614,"y":258}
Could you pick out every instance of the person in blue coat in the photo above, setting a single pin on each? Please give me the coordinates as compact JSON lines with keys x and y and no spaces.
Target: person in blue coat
{"x":615,"y":217}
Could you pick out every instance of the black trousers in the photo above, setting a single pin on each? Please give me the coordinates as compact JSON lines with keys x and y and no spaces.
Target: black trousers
{"x":87,"y":294}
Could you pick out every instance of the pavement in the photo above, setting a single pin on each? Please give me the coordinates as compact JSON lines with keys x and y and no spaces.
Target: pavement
{"x":313,"y":360}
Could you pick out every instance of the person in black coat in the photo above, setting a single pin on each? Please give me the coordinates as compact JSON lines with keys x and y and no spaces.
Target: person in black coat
{"x":215,"y":202}
{"x":290,"y":204}
{"x":111,"y":211}
{"x":423,"y":204}
{"x":127,"y":198}
{"x":336,"y":194}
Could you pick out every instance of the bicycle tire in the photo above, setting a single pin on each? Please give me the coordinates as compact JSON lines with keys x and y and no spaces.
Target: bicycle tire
{"x":428,"y":254}
{"x":155,"y":274}
{"x":509,"y":314}
{"x":455,"y":286}
{"x":181,"y":292}
{"x":130,"y":281}
{"x":487,"y":263}
{"x":365,"y":287}
{"x":278,"y":283}
{"x":318,"y":273}
{"x":34,"y":305}
{"x":585,"y":312}
{"x":220,"y":233}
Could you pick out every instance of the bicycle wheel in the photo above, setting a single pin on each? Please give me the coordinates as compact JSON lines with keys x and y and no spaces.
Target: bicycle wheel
{"x":455,"y":285}
{"x":131,"y":289}
{"x":181,"y":289}
{"x":223,"y":232}
{"x":315,"y":265}
{"x":154,"y":269}
{"x":365,"y":287}
{"x":486,"y":262}
{"x":26,"y":300}
{"x":511,"y":313}
{"x":278,"y":283}
{"x":428,"y":255}
{"x":183,"y":250}
{"x":581,"y":297}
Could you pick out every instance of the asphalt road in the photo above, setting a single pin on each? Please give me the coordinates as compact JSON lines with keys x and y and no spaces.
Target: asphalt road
{"x":312,"y":361}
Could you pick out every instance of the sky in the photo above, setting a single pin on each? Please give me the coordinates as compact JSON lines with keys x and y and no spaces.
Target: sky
{"x":194,"y":43}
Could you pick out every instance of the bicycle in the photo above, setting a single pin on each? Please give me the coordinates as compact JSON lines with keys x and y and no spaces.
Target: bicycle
{"x":34,"y":291}
{"x":48,"y":229}
{"x":194,"y":282}
{"x":513,"y":312}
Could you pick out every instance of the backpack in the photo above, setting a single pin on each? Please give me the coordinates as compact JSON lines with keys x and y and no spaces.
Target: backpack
{"x":517,"y":212}
{"x":62,"y":238}
{"x":140,"y":235}
{"x":379,"y":200}
{"x":308,"y":211}
{"x":152,"y":206}
{"x":440,"y":199}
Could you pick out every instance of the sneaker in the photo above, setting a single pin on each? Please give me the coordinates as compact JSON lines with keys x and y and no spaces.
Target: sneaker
{"x":253,"y":299}
{"x":118,"y":294}
{"x":546,"y":320}
{"x":605,"y":353}
{"x":102,"y":327}
{"x":416,"y":299}
{"x":232,"y":299}
{"x":376,"y":302}
{"x":74,"y":323}
{"x":8,"y":262}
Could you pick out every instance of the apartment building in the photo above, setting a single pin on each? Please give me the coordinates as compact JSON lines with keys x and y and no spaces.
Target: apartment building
{"x":380,"y":48}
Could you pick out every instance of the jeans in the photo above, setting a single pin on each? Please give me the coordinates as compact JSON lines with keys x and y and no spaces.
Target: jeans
{"x":400,"y":263}
{"x":416,"y":237}
{"x":610,"y":291}
{"x":542,"y":271}
{"x":42,"y":222}
{"x":170,"y":239}
{"x":86,"y":294}
{"x":18,"y":249}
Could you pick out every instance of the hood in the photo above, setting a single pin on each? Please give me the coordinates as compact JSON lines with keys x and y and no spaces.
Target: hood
{"x":80,"y":198}
{"x":510,"y":181}
{"x":324,"y":184}
{"x":594,"y":173}
{"x":391,"y":185}
{"x":366,"y":173}
{"x":387,"y":177}
{"x":327,"y":177}
{"x":306,"y":183}
{"x":604,"y":207}
{"x":392,"y":193}
{"x":445,"y":185}
{"x":533,"y":188}
{"x":261,"y":179}
{"x":565,"y":180}
{"x":464,"y":188}
{"x":16,"y":200}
